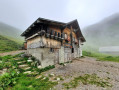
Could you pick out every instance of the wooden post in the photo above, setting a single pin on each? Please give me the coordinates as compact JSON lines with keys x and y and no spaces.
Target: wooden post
{"x":71,"y":36}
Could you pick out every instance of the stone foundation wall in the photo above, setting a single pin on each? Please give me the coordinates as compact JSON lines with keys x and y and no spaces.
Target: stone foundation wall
{"x":46,"y":57}
{"x":43,"y":55}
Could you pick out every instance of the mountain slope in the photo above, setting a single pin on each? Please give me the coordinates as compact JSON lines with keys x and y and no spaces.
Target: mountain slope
{"x":8,"y":45}
{"x":104,"y":33}
{"x":10,"y":32}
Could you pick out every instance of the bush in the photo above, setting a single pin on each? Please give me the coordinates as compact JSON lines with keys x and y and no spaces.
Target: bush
{"x":46,"y":68}
{"x":8,"y":79}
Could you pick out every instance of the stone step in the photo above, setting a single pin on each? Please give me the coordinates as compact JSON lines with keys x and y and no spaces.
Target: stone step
{"x":39,"y":76}
{"x":31,"y":72}
{"x":23,"y":66}
{"x":27,"y":72}
{"x":26,"y":68}
{"x":20,"y":62}
{"x":29,"y":60}
{"x":17,"y":59}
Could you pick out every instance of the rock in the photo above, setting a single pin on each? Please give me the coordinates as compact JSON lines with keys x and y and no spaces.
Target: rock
{"x":39,"y":66}
{"x":58,"y":79}
{"x":23,"y":55}
{"x":65,"y":64}
{"x":27,"y":68}
{"x":27,"y":72}
{"x":29,"y":58}
{"x":52,"y":74}
{"x":21,"y":62}
{"x":22,"y":66}
{"x":44,"y":78}
{"x":38,"y":76}
{"x":5,"y":70}
{"x":29,"y":61}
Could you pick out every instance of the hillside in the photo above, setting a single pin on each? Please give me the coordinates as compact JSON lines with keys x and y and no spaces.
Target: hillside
{"x":103,"y":33}
{"x":8,"y":45}
{"x":10,"y":32}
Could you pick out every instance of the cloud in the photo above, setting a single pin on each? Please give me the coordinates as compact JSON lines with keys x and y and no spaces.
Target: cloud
{"x":91,"y":11}
{"x":22,"y":13}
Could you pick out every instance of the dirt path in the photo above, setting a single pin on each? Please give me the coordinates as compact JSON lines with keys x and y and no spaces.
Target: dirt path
{"x":88,"y":65}
{"x":12,"y":52}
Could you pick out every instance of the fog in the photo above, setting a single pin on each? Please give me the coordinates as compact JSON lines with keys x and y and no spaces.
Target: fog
{"x":22,"y":13}
{"x":109,"y":49}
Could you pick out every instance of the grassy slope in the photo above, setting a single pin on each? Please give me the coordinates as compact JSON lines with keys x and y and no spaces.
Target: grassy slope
{"x":11,"y":33}
{"x":104,"y":33}
{"x":101,"y":57}
{"x":8,"y":45}
{"x":16,"y":79}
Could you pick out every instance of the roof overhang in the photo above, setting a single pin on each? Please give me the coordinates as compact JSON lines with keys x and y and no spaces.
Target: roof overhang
{"x":74,"y":24}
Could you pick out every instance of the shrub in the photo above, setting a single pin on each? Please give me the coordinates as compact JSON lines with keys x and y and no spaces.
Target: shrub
{"x":8,"y":79}
{"x":46,"y":68}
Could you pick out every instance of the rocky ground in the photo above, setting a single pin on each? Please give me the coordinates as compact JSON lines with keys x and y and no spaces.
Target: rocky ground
{"x":87,"y":65}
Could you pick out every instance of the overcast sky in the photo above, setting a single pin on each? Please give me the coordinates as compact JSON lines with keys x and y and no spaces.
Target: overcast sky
{"x":22,"y":13}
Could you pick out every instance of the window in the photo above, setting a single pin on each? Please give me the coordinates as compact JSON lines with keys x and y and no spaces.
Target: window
{"x":51,"y":50}
{"x":65,"y":36}
{"x":62,"y":35}
{"x":73,"y":39}
{"x":72,"y":50}
{"x":58,"y":34}
{"x":55,"y":33}
{"x":52,"y":32}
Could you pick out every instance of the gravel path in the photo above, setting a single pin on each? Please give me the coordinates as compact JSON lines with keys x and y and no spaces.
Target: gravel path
{"x":88,"y":65}
{"x":12,"y":52}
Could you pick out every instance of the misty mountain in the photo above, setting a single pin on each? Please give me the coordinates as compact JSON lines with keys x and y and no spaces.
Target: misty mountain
{"x":103,"y":33}
{"x":10,"y":32}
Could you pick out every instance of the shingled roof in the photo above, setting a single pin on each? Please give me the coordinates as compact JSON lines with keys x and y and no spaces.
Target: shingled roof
{"x":73,"y":23}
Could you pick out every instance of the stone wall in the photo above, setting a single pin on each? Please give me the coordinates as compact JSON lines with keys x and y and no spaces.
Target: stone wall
{"x":43,"y":55}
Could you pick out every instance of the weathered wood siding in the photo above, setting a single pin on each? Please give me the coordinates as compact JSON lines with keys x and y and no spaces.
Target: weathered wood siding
{"x":43,"y":42}
{"x":55,"y":29}
{"x":68,"y":32}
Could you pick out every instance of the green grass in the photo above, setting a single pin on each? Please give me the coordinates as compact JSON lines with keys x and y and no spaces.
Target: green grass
{"x":7,"y":45}
{"x":85,"y":79}
{"x":30,"y":83}
{"x":15,"y":78}
{"x":101,"y":57}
